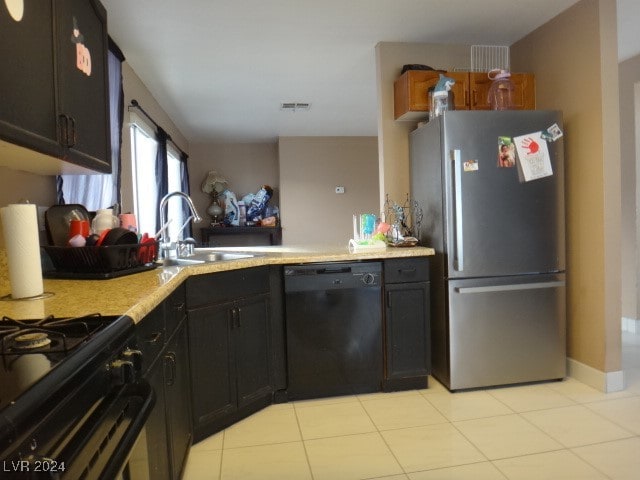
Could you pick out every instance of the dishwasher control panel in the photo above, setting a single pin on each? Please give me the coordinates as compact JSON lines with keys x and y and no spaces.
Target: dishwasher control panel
{"x":334,"y":275}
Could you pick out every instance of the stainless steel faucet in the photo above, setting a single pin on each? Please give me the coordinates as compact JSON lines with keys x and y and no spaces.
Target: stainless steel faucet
{"x":165,"y":242}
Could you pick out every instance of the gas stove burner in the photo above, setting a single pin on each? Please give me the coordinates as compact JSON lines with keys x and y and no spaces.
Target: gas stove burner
{"x":47,"y":335}
{"x":31,"y":341}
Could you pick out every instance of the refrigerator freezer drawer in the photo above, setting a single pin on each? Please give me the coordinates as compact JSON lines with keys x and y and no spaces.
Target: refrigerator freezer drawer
{"x":506,"y":330}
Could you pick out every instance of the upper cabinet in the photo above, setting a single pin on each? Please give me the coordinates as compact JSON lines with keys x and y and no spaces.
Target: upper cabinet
{"x":470,"y":92}
{"x":524,"y":91}
{"x":54,"y":117}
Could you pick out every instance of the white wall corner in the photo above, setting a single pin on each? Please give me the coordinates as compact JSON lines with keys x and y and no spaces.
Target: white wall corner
{"x":606,"y":382}
{"x":631,"y":325}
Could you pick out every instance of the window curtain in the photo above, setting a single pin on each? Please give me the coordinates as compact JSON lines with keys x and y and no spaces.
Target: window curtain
{"x":162,"y":181}
{"x":184,"y":180}
{"x":101,"y":191}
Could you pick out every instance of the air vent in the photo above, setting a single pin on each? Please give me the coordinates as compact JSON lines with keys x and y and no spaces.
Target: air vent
{"x":294,"y":106}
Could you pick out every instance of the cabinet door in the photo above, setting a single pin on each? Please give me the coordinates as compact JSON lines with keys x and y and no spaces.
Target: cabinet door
{"x":407,"y":330}
{"x":156,"y":427}
{"x":410,"y":94}
{"x":27,"y":109}
{"x":83,"y":85}
{"x":460,"y":90}
{"x":251,"y":332}
{"x":178,"y":399}
{"x":211,"y":356}
{"x":523,"y":91}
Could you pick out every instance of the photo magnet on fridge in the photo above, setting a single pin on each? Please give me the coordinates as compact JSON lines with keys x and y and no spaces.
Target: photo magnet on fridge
{"x":506,"y":153}
{"x":470,"y":166}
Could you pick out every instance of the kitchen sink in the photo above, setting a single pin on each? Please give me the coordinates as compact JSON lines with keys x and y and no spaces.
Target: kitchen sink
{"x":204,"y":255}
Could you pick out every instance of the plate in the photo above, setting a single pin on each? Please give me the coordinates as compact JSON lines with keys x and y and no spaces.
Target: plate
{"x":57,"y":219}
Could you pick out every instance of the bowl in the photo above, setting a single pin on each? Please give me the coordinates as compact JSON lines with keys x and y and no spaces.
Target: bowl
{"x":119,"y":236}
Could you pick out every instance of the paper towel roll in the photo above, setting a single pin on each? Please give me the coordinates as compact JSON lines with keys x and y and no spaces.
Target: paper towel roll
{"x":20,"y":226}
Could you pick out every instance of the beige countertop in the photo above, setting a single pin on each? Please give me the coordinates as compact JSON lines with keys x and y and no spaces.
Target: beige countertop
{"x":136,"y":295}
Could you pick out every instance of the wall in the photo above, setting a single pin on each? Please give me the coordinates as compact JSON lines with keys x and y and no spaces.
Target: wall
{"x":135,"y":89}
{"x":310,"y":169}
{"x":246,"y":166}
{"x":393,"y":137}
{"x":17,"y":185}
{"x":629,"y":82}
{"x":574,"y":57}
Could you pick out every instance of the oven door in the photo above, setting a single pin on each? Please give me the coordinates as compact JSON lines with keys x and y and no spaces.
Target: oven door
{"x":104,"y":445}
{"x":92,"y":441}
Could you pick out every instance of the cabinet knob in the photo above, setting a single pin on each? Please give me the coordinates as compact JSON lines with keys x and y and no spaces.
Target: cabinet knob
{"x":133,"y":356}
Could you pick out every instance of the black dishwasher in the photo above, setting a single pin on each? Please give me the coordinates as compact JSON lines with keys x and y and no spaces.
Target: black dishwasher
{"x":334,"y":329}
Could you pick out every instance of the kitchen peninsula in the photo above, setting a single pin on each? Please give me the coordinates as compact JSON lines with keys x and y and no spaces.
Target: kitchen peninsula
{"x":136,"y":295}
{"x":211,"y":338}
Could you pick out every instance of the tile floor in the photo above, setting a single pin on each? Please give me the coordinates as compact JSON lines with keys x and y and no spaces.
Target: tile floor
{"x":560,"y":430}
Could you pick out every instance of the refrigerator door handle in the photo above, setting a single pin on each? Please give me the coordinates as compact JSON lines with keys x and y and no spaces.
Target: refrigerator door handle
{"x":505,"y":288}
{"x":458,"y":259}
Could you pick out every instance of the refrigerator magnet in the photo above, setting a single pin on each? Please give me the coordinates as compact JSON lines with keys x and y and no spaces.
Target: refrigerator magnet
{"x":533,"y":154}
{"x":470,"y":166}
{"x":552,"y":133}
{"x":506,"y":153}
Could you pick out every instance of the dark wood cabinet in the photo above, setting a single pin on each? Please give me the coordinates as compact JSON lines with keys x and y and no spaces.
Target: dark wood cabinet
{"x":177,"y":388}
{"x":156,"y":434}
{"x":83,"y":82}
{"x":54,"y":83}
{"x":407,"y":314}
{"x":229,"y":345}
{"x":162,"y":338}
{"x":28,"y":107}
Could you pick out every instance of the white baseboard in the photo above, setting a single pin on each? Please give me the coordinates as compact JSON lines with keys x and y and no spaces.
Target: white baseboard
{"x":606,"y":382}
{"x":631,"y":325}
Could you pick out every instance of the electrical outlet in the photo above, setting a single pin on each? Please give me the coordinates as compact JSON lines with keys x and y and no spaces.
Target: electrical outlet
{"x":339,"y":189}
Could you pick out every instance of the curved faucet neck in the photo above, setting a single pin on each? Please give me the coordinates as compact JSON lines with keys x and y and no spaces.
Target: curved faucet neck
{"x":163,"y":218}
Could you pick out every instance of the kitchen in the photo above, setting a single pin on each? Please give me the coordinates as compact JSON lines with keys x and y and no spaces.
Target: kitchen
{"x":592,"y":339}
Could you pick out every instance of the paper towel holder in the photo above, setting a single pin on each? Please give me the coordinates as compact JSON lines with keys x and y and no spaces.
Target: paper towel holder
{"x":42,"y":296}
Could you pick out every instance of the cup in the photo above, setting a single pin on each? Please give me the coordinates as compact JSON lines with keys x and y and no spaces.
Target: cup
{"x":128,"y":221}
{"x":79,"y":227}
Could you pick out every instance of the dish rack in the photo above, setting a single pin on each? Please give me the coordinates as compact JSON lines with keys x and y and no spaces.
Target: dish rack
{"x":100,"y":262}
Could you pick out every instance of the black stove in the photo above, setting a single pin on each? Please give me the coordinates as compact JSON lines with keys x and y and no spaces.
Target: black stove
{"x":72,"y":400}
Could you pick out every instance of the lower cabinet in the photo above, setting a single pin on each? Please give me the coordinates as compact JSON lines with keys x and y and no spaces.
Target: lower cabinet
{"x":229,"y":349}
{"x":407,"y":325}
{"x":162,"y":337}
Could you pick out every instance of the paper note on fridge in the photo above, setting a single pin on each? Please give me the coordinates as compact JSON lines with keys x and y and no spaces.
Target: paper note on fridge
{"x":533,"y":156}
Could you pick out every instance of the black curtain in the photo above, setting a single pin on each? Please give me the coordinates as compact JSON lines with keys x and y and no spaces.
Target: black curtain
{"x":184,"y":186}
{"x":162,"y":182}
{"x":116,"y":102}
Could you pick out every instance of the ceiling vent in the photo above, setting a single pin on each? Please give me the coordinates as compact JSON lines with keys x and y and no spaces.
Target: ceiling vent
{"x":294,"y":106}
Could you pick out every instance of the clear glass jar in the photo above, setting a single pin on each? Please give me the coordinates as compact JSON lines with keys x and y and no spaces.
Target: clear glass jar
{"x":500,"y":95}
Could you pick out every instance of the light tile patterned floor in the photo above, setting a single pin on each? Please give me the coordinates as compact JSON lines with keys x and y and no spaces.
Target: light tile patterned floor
{"x":556,"y":431}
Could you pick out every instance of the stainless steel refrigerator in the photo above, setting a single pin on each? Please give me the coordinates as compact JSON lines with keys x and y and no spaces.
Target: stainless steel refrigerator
{"x":498,"y":276}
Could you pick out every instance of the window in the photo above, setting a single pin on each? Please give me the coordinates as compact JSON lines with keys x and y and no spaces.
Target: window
{"x":146,"y":197}
{"x":144,"y":149}
{"x":175,"y":207}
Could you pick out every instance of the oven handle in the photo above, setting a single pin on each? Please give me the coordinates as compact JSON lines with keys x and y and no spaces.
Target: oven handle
{"x":121,"y":455}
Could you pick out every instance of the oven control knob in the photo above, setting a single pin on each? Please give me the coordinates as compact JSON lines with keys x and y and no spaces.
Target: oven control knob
{"x":122,"y":372}
{"x":134,"y":356}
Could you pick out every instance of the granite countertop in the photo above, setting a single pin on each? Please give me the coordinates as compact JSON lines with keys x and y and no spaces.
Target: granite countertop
{"x":136,"y":295}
